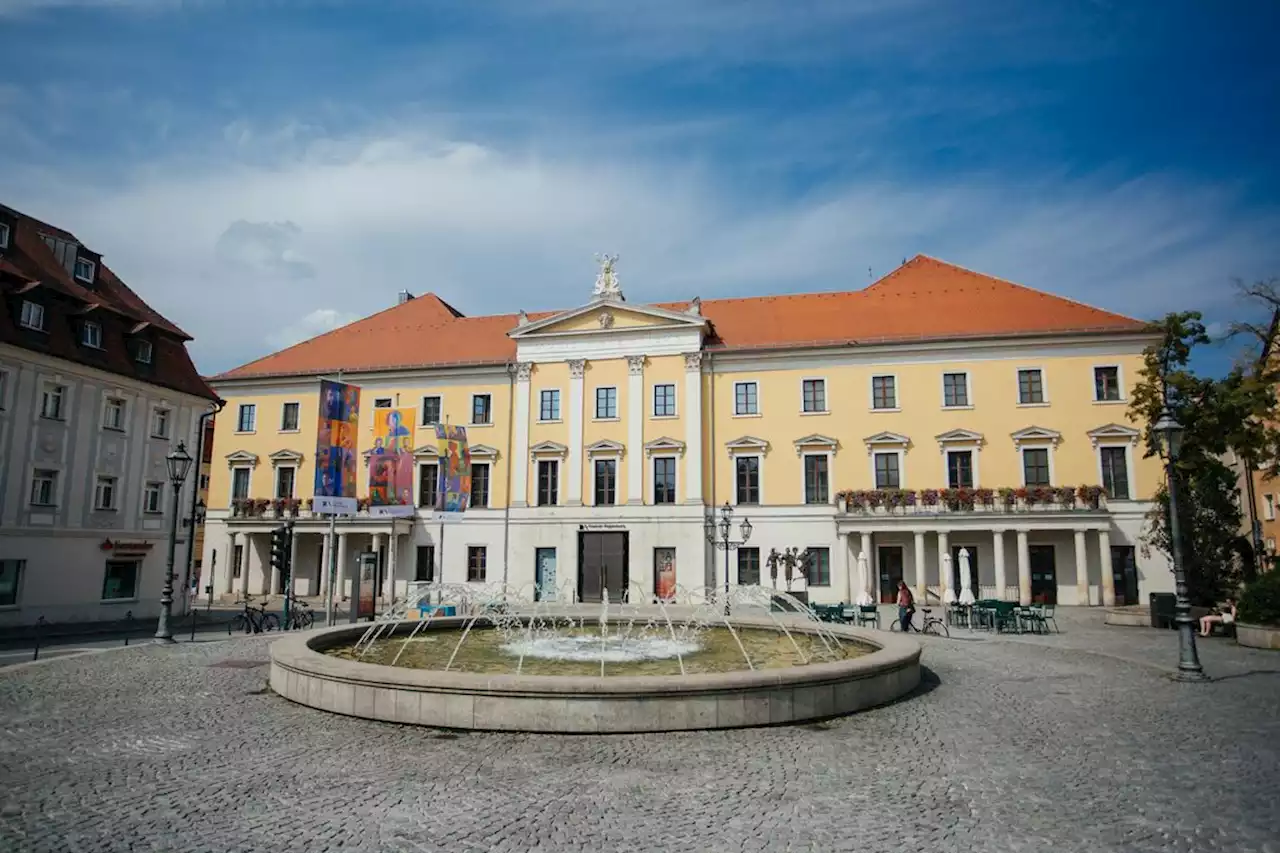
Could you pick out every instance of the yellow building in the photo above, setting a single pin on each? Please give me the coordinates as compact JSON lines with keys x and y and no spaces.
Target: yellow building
{"x":938,"y":417}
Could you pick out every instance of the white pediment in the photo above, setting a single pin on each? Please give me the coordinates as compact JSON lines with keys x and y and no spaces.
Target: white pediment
{"x":602,"y":316}
{"x":1114,"y":433}
{"x":483,"y":451}
{"x":815,"y":441}
{"x":605,"y":447}
{"x":426,"y":450}
{"x":286,"y":456}
{"x":747,"y":444}
{"x":663,"y":445}
{"x":1035,"y":435}
{"x":958,"y":436}
{"x":885,"y":439}
{"x":242,"y":457}
{"x":548,"y":448}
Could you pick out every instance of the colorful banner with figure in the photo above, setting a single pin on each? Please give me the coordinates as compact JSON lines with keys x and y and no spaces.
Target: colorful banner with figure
{"x":454,"y":494}
{"x":391,"y":463}
{"x":664,"y":573}
{"x":335,"y":485}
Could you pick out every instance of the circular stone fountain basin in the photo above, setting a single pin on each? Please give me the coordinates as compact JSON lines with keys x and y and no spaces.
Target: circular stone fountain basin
{"x":311,"y":669}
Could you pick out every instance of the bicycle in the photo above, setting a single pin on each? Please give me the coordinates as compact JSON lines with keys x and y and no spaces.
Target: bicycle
{"x":932,"y":624}
{"x":253,"y":620}
{"x":300,"y":615}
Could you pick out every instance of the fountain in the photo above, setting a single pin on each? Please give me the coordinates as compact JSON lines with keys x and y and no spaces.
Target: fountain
{"x":515,"y":660}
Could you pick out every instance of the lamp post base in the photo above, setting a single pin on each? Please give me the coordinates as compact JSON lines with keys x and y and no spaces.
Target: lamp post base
{"x":1189,"y":676}
{"x":163,"y":641}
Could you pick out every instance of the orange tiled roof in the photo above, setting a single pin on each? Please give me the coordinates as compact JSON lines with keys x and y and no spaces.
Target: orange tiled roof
{"x":924,"y":299}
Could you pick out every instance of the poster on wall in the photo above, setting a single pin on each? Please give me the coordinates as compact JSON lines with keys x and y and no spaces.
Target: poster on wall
{"x":335,"y":485}
{"x":454,"y":492}
{"x":664,"y":573}
{"x":391,"y":463}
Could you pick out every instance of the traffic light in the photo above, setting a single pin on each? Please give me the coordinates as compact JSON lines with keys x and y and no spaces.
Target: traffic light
{"x":280,"y":548}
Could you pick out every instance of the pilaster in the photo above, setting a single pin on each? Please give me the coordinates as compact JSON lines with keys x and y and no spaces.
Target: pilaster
{"x":520,"y":452}
{"x":573,"y":488}
{"x":693,"y":427}
{"x":635,"y":429}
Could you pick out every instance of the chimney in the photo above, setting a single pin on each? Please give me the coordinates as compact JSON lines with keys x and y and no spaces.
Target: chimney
{"x":403,"y":297}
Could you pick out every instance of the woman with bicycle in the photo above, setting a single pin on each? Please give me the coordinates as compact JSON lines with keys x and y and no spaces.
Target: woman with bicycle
{"x":906,"y":606}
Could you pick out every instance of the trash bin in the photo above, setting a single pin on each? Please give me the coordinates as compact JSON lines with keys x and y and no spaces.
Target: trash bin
{"x":1162,"y":609}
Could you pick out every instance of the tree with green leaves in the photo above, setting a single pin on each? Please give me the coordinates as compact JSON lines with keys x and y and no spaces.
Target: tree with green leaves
{"x":1236,"y":413}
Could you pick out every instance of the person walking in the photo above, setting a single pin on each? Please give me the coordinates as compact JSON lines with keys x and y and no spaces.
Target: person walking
{"x":906,"y":606}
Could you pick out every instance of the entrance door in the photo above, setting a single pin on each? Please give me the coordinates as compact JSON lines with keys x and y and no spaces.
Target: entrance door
{"x":1124,"y":571}
{"x":1044,"y":578}
{"x":889,"y":561}
{"x":544,"y":574}
{"x":973,"y":569}
{"x":602,"y":565}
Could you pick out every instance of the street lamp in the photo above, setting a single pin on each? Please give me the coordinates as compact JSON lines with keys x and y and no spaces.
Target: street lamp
{"x":1168,"y":433}
{"x":178,"y":463}
{"x":718,"y":534}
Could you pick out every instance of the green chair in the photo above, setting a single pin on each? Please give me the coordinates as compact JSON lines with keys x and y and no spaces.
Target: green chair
{"x":868,"y":614}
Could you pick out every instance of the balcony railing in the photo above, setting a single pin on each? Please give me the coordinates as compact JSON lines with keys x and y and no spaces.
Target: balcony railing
{"x":283,"y":508}
{"x":1003,"y":500}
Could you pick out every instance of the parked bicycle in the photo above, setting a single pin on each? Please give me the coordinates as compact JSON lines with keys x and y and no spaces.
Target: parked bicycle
{"x":930,"y":624}
{"x":300,"y":615}
{"x":253,"y":620}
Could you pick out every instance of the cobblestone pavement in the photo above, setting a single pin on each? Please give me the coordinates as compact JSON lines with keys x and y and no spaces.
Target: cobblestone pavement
{"x":1069,"y":742}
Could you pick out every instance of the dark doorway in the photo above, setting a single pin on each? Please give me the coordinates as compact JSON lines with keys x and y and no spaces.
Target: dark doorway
{"x":602,"y":565}
{"x":889,"y":563}
{"x":1124,"y":571}
{"x":1044,"y":576}
{"x":973,"y":569}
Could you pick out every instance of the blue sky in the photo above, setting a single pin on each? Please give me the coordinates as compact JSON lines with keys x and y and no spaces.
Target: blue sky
{"x":264,"y":169}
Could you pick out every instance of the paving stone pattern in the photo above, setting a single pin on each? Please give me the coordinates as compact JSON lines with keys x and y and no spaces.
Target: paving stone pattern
{"x":1071,"y":742}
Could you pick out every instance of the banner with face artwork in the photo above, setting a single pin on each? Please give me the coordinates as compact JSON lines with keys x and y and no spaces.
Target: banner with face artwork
{"x":454,"y":493}
{"x":391,"y":463}
{"x":335,"y":483}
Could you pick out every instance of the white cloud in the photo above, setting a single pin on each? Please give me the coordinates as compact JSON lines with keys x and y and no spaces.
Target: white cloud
{"x":315,"y":323}
{"x":265,"y":248}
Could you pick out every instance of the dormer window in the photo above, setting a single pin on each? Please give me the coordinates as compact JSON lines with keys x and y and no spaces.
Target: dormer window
{"x":142,"y":352}
{"x":85,"y":269}
{"x":4,"y":235}
{"x":91,"y":335}
{"x":32,"y":315}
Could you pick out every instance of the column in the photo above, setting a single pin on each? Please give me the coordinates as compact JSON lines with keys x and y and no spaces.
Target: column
{"x":997,"y":547}
{"x":340,"y":573}
{"x":1024,"y":569}
{"x":1108,"y":579}
{"x":573,"y":482}
{"x":325,"y":548}
{"x":693,"y":427}
{"x":520,"y":449}
{"x":376,"y":547}
{"x":392,"y":561}
{"x":229,"y":564}
{"x":920,"y":568}
{"x":867,"y":583}
{"x":846,"y":540}
{"x":635,"y":429}
{"x":1082,"y":569}
{"x":293,"y":559}
{"x":944,"y":577}
{"x":270,"y":586}
{"x":245,"y":564}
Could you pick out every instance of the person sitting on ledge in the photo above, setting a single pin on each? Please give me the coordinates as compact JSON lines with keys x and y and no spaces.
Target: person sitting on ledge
{"x":1225,"y":615}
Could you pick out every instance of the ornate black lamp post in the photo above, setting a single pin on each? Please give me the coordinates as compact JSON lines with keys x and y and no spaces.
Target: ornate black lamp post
{"x":718,"y":534}
{"x":1169,"y":435}
{"x":179,"y":463}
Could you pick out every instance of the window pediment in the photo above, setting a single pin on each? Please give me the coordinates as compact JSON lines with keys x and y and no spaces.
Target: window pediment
{"x":663,"y":445}
{"x":605,"y":447}
{"x":285,"y":457}
{"x":1036,"y":435}
{"x":959,"y":436}
{"x":242,"y":457}
{"x":816,"y":441}
{"x":747,"y":444}
{"x":483,"y":451}
{"x":426,"y":450}
{"x":1113,"y":433}
{"x":548,"y":448}
{"x":886,"y":439}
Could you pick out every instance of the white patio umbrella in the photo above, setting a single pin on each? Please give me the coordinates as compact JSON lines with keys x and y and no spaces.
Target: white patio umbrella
{"x":864,"y":580}
{"x":949,"y":596}
{"x":966,"y":578}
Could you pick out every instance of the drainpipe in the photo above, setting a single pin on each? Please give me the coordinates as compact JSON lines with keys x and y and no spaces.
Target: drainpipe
{"x":506,"y":509}
{"x":195,"y":498}
{"x":710,"y":576}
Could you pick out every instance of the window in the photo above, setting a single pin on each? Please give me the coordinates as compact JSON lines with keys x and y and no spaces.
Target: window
{"x":382,"y":402}
{"x":285,"y":476}
{"x":240,"y":484}
{"x":104,"y":493}
{"x":814,"y":393}
{"x":152,"y":494}
{"x":746,"y":399}
{"x":748,"y":566}
{"x":430,"y":410}
{"x":481,"y":411}
{"x":606,"y":489}
{"x":4,"y":235}
{"x":1030,"y":387}
{"x":548,"y":482}
{"x":664,"y":401}
{"x":428,"y":484}
{"x":85,"y":269}
{"x":888,"y":471}
{"x":10,"y":578}
{"x":289,"y":417}
{"x":113,"y":414}
{"x":955,"y":389}
{"x":884,"y":392}
{"x":815,"y":479}
{"x":818,"y":567}
{"x":664,"y":480}
{"x":959,"y":469}
{"x":1115,"y":472}
{"x":160,"y":423}
{"x":44,"y":487}
{"x":424,"y":570}
{"x":204,"y":481}
{"x":52,"y":401}
{"x":142,"y":352}
{"x":1035,"y":466}
{"x":549,"y":405}
{"x":237,"y":562}
{"x":1106,"y":384}
{"x":606,"y":403}
{"x":1269,"y":508}
{"x":477,"y":556}
{"x":248,"y":418}
{"x":479,"y":485}
{"x":32,"y":315}
{"x":91,"y":335}
{"x":121,"y":580}
{"x":748,"y":479}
